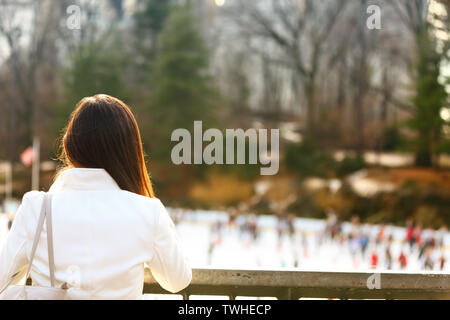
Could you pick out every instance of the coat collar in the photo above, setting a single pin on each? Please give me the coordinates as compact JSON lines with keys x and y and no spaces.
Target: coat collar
{"x":84,"y":179}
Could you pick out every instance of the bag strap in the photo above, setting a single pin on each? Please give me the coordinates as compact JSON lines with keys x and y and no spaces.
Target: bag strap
{"x":46,"y":214}
{"x":51,"y":253}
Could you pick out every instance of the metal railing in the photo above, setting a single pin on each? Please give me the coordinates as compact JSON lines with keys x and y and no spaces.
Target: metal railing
{"x":288,"y":285}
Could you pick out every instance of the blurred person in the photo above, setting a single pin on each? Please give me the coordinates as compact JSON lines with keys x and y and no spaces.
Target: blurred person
{"x":340,"y":236}
{"x":353,"y":244}
{"x":304,"y":240}
{"x":253,"y":226}
{"x":417,"y":235}
{"x":282,"y":228}
{"x":442,"y":261}
{"x":410,"y":232}
{"x":11,"y":217}
{"x":388,"y":253}
{"x":330,"y":224}
{"x":428,"y":242}
{"x":428,"y":263}
{"x":232,"y":217}
{"x":363,"y":243}
{"x":106,"y":219}
{"x":176,"y":217}
{"x":381,"y":233}
{"x":354,"y":225}
{"x":291,"y":226}
{"x":403,"y":260}
{"x":440,"y":234}
{"x":388,"y":257}
{"x":354,"y":249}
{"x":241,"y":224}
{"x":390,"y":239}
{"x":215,"y":239}
{"x":374,"y":260}
{"x":295,"y":258}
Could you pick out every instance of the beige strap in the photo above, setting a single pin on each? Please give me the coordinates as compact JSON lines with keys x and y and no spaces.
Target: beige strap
{"x":51,"y":260}
{"x":46,"y":214}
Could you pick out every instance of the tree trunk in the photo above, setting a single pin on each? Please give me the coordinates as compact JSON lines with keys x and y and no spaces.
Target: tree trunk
{"x":362,"y":82}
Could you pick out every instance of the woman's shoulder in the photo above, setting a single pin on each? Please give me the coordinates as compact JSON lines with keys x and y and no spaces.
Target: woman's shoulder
{"x":29,"y":208}
{"x":146,"y":204}
{"x":32,"y":195}
{"x":142,"y":199}
{"x":32,"y":198}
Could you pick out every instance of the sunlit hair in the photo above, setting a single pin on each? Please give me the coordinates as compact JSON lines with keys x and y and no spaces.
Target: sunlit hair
{"x":103,"y":133}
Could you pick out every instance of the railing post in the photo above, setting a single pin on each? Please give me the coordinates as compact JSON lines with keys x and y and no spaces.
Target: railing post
{"x":286,"y":295}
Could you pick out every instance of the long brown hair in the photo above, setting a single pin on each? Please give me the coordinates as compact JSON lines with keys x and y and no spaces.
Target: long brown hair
{"x":103,"y":133}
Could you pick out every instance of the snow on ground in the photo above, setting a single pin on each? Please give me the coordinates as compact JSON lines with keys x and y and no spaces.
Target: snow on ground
{"x":234,"y":249}
{"x":237,"y":250}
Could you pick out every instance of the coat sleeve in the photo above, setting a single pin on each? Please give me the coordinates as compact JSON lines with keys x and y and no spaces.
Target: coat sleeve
{"x":13,"y":257}
{"x":169,"y":265}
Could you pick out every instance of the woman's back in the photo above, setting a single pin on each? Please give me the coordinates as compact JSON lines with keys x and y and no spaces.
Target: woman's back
{"x":102,"y":237}
{"x":106,"y":221}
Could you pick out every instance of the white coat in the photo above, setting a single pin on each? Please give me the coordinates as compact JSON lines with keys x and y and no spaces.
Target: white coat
{"x":102,"y":238}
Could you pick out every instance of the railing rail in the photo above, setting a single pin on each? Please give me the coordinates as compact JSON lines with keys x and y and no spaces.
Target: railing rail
{"x":304,"y":284}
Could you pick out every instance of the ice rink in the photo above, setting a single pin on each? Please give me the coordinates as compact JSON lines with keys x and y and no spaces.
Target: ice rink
{"x":231,"y":247}
{"x":235,"y":249}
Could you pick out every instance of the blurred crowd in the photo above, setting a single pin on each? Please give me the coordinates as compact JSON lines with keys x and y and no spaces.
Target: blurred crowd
{"x":426,"y":245}
{"x":381,"y":246}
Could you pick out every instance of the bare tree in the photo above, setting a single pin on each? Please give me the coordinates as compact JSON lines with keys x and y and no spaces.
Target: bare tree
{"x":361,"y":77}
{"x":294,"y":34}
{"x":36,"y":42}
{"x":412,"y":13}
{"x":27,"y":30}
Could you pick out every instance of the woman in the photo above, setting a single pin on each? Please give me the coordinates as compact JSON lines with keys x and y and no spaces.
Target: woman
{"x":106,"y":221}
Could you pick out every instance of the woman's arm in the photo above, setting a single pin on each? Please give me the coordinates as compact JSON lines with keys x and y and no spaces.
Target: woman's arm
{"x":13,"y":258}
{"x":169,"y":265}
